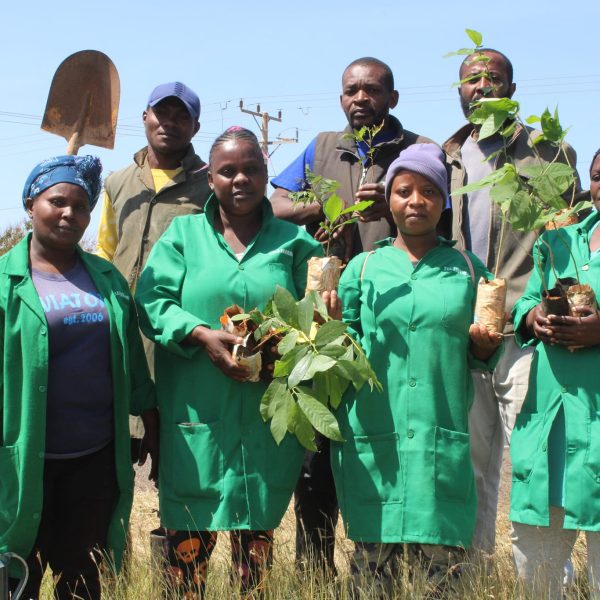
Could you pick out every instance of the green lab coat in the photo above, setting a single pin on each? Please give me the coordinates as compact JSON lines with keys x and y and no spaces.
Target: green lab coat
{"x":404,"y":473}
{"x":559,"y":378}
{"x":24,"y":347}
{"x":219,"y":465}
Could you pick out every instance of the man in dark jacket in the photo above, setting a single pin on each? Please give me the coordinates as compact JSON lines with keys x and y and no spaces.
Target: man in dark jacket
{"x":367,"y":96}
{"x":477,"y":225}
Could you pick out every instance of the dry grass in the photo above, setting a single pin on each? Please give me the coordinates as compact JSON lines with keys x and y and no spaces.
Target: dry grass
{"x":495,"y":581}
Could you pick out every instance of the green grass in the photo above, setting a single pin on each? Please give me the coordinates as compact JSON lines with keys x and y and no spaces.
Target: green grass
{"x":145,"y":582}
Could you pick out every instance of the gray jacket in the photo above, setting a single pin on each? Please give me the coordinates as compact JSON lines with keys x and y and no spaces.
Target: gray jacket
{"x":515,"y":262}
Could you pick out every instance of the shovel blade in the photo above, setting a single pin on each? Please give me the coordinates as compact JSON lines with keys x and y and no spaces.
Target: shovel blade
{"x":84,"y":99}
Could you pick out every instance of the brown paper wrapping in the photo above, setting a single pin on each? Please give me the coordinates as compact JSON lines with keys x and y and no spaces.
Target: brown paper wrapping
{"x":323,"y":273}
{"x":580,"y":295}
{"x":252,"y":361}
{"x":491,"y":304}
{"x":561,"y":221}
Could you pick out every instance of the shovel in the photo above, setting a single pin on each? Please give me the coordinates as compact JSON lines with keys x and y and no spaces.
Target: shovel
{"x":83,"y":101}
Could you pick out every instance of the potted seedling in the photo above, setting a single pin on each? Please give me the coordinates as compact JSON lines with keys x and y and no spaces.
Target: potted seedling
{"x":324,"y":273}
{"x":530,"y":198}
{"x":317,"y":361}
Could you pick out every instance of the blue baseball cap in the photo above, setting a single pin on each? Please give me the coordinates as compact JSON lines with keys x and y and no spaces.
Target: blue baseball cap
{"x":176,"y":89}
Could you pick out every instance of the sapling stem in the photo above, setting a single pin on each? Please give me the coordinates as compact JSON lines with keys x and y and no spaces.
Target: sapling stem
{"x":570,"y":255}
{"x":500,"y":244}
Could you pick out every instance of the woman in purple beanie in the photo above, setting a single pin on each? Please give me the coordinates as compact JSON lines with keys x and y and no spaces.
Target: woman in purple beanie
{"x":404,"y":476}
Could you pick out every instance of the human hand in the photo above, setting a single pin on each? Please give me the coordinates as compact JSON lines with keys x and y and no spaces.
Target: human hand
{"x":582,"y":330}
{"x":483,"y":341}
{"x":333,"y":303}
{"x":379,"y":209}
{"x":218,"y":345}
{"x":538,"y":325}
{"x":150,"y":442}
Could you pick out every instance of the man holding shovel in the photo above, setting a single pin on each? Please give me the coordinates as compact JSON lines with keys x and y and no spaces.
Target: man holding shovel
{"x":476,"y":224}
{"x":165,"y":180}
{"x":367,"y":97}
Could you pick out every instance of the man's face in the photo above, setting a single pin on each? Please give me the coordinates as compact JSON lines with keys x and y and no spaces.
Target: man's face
{"x":169,"y":126}
{"x":366,"y":99}
{"x":487,"y":79}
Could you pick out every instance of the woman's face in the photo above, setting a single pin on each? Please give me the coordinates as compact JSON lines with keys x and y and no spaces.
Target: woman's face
{"x":416,"y":204}
{"x":238,"y":176}
{"x":595,"y":182}
{"x":60,"y":215}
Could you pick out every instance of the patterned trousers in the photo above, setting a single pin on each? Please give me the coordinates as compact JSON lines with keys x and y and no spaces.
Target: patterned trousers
{"x":188,"y":554}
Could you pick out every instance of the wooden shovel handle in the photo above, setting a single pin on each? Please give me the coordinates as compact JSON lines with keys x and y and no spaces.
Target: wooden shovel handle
{"x":73,"y":144}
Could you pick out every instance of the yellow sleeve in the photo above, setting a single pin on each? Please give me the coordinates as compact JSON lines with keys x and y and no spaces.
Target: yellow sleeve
{"x":108,"y":237}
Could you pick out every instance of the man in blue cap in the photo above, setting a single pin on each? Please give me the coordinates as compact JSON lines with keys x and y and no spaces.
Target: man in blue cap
{"x":165,"y":180}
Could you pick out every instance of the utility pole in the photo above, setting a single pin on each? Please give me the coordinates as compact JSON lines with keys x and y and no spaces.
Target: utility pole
{"x":264,"y":128}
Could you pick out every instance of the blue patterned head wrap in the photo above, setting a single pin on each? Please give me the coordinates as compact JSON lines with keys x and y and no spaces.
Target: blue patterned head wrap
{"x":84,"y":171}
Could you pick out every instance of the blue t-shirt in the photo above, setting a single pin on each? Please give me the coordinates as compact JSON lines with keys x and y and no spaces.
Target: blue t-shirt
{"x":292,"y":178}
{"x":79,"y":411}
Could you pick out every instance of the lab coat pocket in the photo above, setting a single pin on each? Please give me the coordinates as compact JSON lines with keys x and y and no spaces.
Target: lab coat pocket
{"x":196,"y":468}
{"x":9,"y":485}
{"x":592,"y":452}
{"x":453,"y":469}
{"x":372,"y":467}
{"x":526,"y":445}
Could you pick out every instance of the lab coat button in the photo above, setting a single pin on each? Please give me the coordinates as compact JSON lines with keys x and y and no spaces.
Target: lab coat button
{"x":42,"y":388}
{"x":410,"y":433}
{"x":412,"y":382}
{"x":412,"y":326}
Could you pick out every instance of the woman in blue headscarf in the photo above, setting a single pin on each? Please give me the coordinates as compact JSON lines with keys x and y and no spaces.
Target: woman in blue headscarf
{"x":72,"y":370}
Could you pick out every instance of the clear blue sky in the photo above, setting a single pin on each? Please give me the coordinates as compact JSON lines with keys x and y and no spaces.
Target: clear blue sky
{"x":287,"y":56}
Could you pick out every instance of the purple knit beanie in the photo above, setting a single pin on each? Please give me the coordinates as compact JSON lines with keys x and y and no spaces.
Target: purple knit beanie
{"x":424,"y":159}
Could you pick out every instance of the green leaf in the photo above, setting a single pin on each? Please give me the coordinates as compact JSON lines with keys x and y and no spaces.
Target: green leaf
{"x":523,"y":212}
{"x":551,"y":127}
{"x":319,"y":415}
{"x":349,"y":371}
{"x":333,"y":208}
{"x":264,"y":328}
{"x":279,"y":422}
{"x":284,"y":306}
{"x":487,"y":181}
{"x":532,"y":119}
{"x":550,"y":180}
{"x":508,"y":131}
{"x":460,"y":52}
{"x":307,"y":366}
{"x":357,"y":207}
{"x":286,"y":363}
{"x":300,"y":426}
{"x":320,"y":363}
{"x":335,"y":350}
{"x":270,"y":398}
{"x":320,"y":387}
{"x":300,"y":370}
{"x":492,"y":124}
{"x":474,"y":36}
{"x":336,"y":388}
{"x":328,"y":332}
{"x":240,"y":317}
{"x":306,"y":312}
{"x":288,"y":342}
{"x":318,"y":303}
